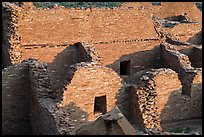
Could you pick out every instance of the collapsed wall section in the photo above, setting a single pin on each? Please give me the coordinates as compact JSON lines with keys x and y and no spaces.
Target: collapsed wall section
{"x":112,"y":123}
{"x":169,"y":9}
{"x":88,"y":53}
{"x":156,"y":101}
{"x":181,"y":64}
{"x":172,"y":104}
{"x":172,"y":11}
{"x":15,"y":98}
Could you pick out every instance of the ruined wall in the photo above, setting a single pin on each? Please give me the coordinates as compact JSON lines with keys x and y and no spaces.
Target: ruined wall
{"x":180,"y":63}
{"x":156,"y":102}
{"x":59,"y":67}
{"x":44,"y":53}
{"x":196,"y":57}
{"x":15,"y":96}
{"x":169,"y":9}
{"x":173,"y":9}
{"x":173,"y":105}
{"x":124,"y":102}
{"x":135,"y":109}
{"x":164,"y":90}
{"x":196,"y":39}
{"x":5,"y":49}
{"x":96,"y":25}
{"x":141,"y":54}
{"x":41,"y":100}
{"x":88,"y":53}
{"x":10,"y":24}
{"x":182,"y":31}
{"x":89,"y":82}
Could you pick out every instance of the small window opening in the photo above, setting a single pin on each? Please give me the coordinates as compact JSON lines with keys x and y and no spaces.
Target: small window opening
{"x":100,"y":105}
{"x":125,"y":68}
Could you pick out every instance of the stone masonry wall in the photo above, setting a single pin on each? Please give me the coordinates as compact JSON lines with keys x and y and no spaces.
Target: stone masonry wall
{"x":15,"y":97}
{"x":196,"y":57}
{"x":155,"y":101}
{"x":10,"y":18}
{"x":95,"y":80}
{"x":142,"y":54}
{"x":88,"y":53}
{"x":96,"y":25}
{"x":41,"y":100}
{"x":5,"y":49}
{"x":172,"y":104}
{"x":42,"y":52}
{"x":59,"y":67}
{"x":181,"y":64}
{"x":172,"y":9}
{"x":144,"y":99}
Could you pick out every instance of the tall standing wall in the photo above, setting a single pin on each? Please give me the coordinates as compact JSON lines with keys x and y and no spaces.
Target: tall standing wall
{"x":10,"y":17}
{"x":15,"y":97}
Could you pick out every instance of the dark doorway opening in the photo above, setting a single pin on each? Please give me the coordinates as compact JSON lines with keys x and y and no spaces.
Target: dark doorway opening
{"x":100,"y":105}
{"x":125,"y":68}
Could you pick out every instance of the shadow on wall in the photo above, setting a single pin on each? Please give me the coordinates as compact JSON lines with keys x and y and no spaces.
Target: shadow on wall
{"x":73,"y":118}
{"x":15,"y":98}
{"x":6,"y":61}
{"x":196,"y":39}
{"x":123,"y":101}
{"x":138,"y":61}
{"x":181,"y":108}
{"x":59,"y":68}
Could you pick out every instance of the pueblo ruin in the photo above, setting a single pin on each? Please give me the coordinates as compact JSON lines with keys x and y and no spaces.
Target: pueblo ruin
{"x":131,"y":70}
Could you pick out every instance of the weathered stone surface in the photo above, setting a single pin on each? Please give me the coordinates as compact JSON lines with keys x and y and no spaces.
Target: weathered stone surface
{"x":112,"y":123}
{"x":58,"y":97}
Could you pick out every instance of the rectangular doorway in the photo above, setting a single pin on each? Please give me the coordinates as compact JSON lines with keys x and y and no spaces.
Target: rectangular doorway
{"x":100,"y":105}
{"x":125,"y":68}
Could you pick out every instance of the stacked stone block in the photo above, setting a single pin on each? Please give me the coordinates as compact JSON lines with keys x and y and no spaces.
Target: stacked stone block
{"x":11,"y":21}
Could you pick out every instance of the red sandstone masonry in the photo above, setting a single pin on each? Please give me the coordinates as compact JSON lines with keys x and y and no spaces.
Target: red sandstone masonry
{"x":61,"y":96}
{"x":181,"y":64}
{"x":92,"y":78}
{"x":60,"y":66}
{"x":168,"y":103}
{"x":96,"y":25}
